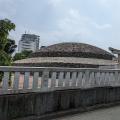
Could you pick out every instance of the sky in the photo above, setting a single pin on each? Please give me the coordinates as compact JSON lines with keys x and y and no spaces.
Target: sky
{"x":95,"y":22}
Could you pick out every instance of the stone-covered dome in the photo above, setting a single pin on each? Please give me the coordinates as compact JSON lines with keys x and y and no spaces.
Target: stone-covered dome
{"x":74,"y":55}
{"x":73,"y":50}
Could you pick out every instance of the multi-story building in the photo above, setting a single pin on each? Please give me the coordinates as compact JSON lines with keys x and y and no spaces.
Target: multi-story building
{"x":29,"y":42}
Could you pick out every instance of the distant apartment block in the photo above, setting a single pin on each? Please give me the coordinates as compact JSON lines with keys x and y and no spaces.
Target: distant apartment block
{"x":29,"y":42}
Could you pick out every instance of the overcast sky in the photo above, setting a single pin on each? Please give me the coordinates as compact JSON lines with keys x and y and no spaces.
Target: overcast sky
{"x":95,"y":22}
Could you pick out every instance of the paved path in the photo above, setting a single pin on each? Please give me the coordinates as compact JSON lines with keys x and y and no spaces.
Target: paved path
{"x":103,"y":114}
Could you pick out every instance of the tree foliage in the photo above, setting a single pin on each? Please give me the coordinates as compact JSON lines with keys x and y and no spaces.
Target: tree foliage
{"x":22,"y":55}
{"x":7,"y":46}
{"x":5,"y":27}
{"x":10,"y":46}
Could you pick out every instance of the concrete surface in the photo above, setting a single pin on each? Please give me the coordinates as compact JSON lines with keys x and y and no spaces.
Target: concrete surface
{"x":112,"y":113}
{"x":37,"y":104}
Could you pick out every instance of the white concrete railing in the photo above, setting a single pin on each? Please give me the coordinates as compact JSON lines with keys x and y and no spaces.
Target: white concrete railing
{"x":33,"y":79}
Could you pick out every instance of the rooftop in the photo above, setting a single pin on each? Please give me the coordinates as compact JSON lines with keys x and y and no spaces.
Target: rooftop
{"x":73,"y":50}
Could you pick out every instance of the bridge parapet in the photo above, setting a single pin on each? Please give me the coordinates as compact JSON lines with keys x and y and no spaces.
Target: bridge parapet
{"x":43,"y":79}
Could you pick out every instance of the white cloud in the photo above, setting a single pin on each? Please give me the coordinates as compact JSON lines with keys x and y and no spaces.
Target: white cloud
{"x":66,"y":19}
{"x":7,"y":8}
{"x":76,"y":25}
{"x":108,"y":3}
{"x":102,"y":27}
{"x":55,"y":3}
{"x":104,"y":2}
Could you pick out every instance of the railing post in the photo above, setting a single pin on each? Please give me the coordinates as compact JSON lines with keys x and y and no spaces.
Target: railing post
{"x":16,"y":81}
{"x":116,"y":78}
{"x":86,"y":78}
{"x":26,"y":80}
{"x":61,"y":79}
{"x":112,"y":79}
{"x":107,"y":79}
{"x":5,"y":81}
{"x":44,"y":79}
{"x":35,"y":80}
{"x":79,"y":81}
{"x":53,"y":79}
{"x":102,"y":79}
{"x":92,"y":80}
{"x":74,"y":79}
{"x":97,"y":79}
{"x":119,"y":78}
{"x":67,"y":79}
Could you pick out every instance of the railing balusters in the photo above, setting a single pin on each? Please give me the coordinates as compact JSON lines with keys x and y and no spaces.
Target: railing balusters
{"x":112,"y":78}
{"x":16,"y":80}
{"x":67,"y":79}
{"x":102,"y":79}
{"x":79,"y":81}
{"x":26,"y":80}
{"x":107,"y":79}
{"x":35,"y":80}
{"x":92,"y":80}
{"x":83,"y":80}
{"x":116,"y":78}
{"x":60,"y":79}
{"x":97,"y":79}
{"x":74,"y":79}
{"x":44,"y":79}
{"x":86,"y":79}
{"x":53,"y":80}
{"x":5,"y":81}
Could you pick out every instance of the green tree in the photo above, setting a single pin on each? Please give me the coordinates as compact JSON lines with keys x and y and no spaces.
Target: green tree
{"x":6,"y":44}
{"x":22,"y":55}
{"x":10,"y":46}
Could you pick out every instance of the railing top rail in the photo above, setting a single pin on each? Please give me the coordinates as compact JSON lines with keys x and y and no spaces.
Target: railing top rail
{"x":56,"y":69}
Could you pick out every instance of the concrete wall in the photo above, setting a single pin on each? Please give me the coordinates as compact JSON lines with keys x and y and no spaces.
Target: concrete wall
{"x":36,"y":104}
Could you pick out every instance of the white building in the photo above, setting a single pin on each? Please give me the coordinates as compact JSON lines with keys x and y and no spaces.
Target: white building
{"x":29,"y":42}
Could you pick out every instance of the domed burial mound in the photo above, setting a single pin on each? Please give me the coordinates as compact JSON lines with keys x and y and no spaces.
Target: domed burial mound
{"x":68,"y":55}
